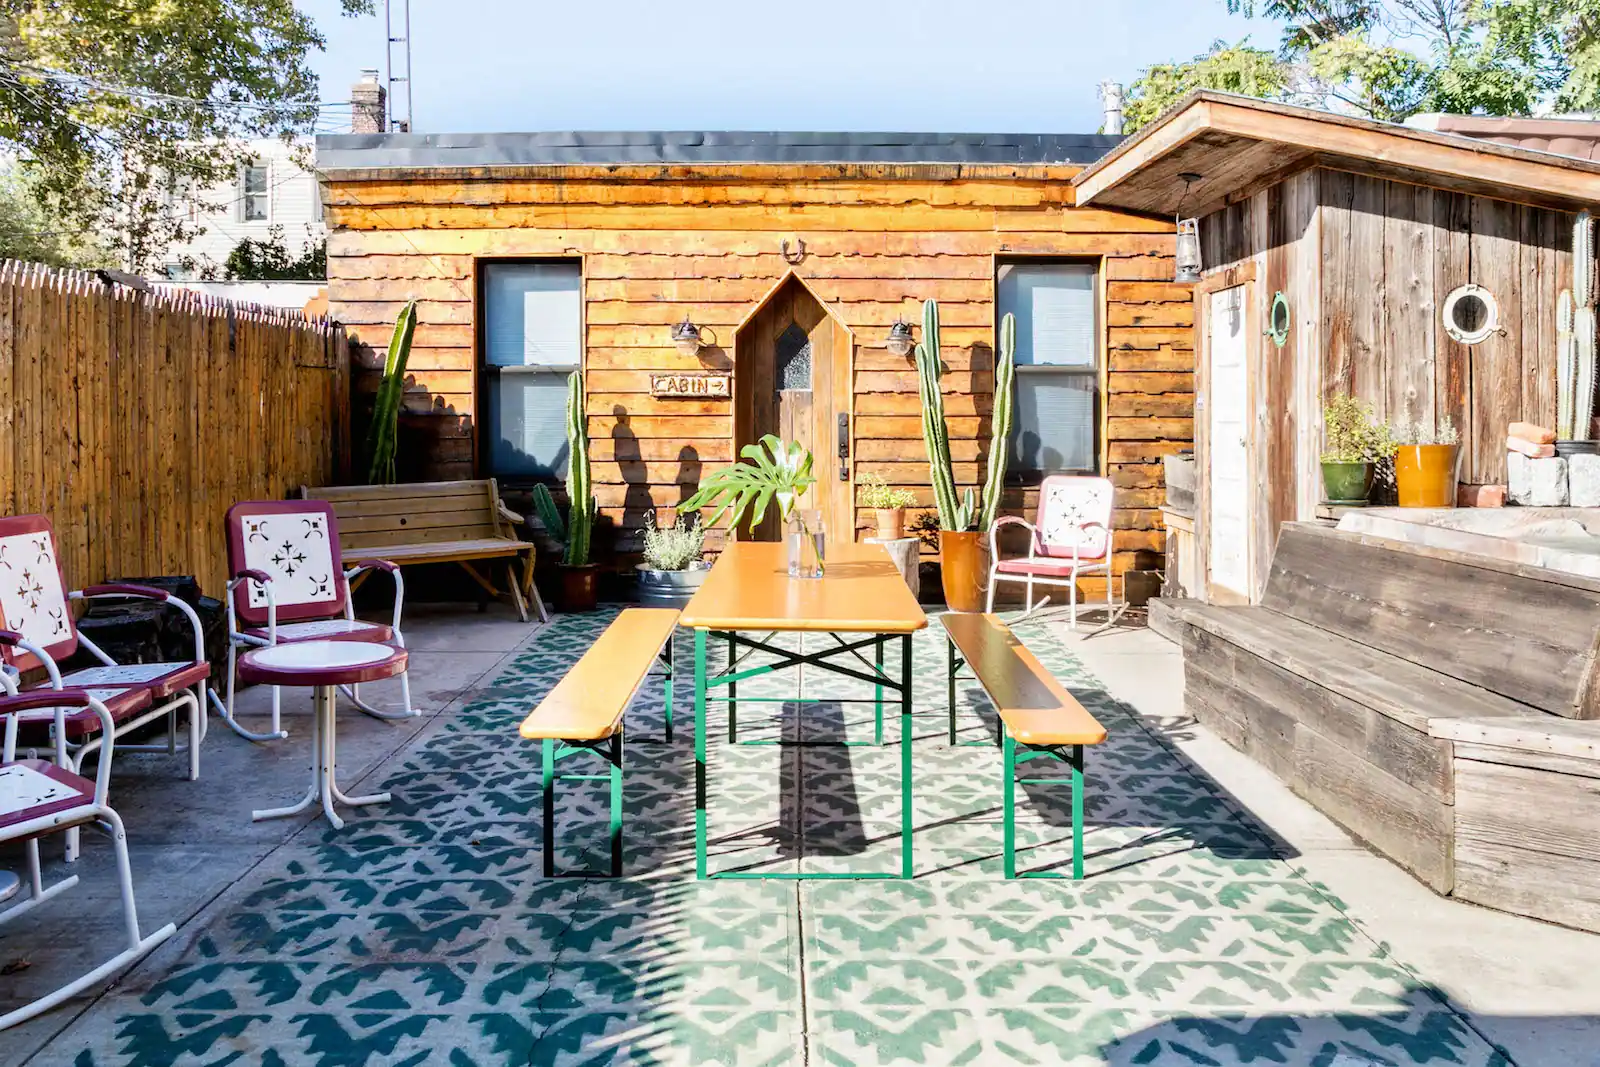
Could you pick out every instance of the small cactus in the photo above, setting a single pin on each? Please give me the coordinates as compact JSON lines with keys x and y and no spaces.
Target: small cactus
{"x":1583,"y":325}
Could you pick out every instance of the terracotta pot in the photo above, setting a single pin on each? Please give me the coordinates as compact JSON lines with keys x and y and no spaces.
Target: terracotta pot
{"x":891,"y":523}
{"x":578,"y":587}
{"x":1425,"y":476}
{"x":961,"y":569}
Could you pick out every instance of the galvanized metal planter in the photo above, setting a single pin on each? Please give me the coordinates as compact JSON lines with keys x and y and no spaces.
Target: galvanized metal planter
{"x":670,"y":589}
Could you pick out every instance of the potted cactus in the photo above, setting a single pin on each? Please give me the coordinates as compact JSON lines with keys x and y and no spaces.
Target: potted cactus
{"x":577,"y":573}
{"x":1575,"y":346}
{"x":964,"y":522}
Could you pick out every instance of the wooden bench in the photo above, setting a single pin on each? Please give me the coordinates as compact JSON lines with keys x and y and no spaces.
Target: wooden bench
{"x":435,"y":522}
{"x":584,"y":713}
{"x":1362,"y":647}
{"x":1037,"y":715}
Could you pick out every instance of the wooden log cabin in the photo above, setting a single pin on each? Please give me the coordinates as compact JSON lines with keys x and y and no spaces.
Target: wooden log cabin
{"x":794,"y":255}
{"x":1354,"y":236}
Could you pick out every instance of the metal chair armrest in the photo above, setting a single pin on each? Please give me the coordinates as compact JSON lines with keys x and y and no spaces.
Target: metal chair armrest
{"x":264,"y":580}
{"x":16,"y":640}
{"x":61,"y":699}
{"x":393,"y":570}
{"x":1011,"y":520}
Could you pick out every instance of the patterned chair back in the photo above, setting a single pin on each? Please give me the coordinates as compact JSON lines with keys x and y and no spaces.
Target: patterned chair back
{"x":33,"y":591}
{"x":297,"y":543}
{"x":1066,"y":502}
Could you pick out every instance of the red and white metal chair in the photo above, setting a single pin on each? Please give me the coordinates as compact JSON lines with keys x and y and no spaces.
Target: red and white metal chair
{"x":289,"y":584}
{"x":39,"y":631}
{"x":1069,"y":538}
{"x":39,"y":797}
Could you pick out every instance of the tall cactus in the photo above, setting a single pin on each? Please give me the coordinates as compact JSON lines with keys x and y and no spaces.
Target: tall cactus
{"x":1583,"y":324}
{"x":545,"y":505}
{"x":386,"y":405}
{"x":580,"y":517}
{"x":1005,"y":371}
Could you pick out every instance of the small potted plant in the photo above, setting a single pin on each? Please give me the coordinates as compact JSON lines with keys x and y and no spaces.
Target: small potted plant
{"x":1425,"y":462}
{"x":770,"y":472}
{"x":1354,"y":444}
{"x":888,"y":502}
{"x":672,"y":569}
{"x":578,"y":575}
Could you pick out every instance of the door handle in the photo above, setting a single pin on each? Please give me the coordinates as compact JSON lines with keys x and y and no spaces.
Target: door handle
{"x":844,"y":448}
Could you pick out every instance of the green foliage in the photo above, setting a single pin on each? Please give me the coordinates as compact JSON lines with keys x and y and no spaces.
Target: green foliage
{"x":874,"y":492}
{"x":1005,"y":373}
{"x":29,"y":231}
{"x":121,"y":107}
{"x":544,"y":505}
{"x":1236,"y":68}
{"x":1409,"y":431}
{"x":271,"y":260}
{"x":770,"y":471}
{"x":672,"y":548}
{"x":1353,"y":434}
{"x":580,"y":493}
{"x":385,"y":424}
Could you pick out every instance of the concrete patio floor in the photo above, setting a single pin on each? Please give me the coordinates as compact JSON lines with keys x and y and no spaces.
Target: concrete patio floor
{"x":1223,"y":920}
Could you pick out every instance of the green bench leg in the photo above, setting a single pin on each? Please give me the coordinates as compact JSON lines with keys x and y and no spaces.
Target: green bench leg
{"x":1009,"y":830}
{"x":548,"y":795}
{"x":877,"y":722}
{"x":666,"y":663}
{"x":1074,"y":759}
{"x":611,"y":750}
{"x":733,"y":693}
{"x":700,"y":753}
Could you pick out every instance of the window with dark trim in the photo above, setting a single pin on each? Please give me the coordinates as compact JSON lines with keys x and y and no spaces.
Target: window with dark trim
{"x":1056,"y":423}
{"x":532,"y":339}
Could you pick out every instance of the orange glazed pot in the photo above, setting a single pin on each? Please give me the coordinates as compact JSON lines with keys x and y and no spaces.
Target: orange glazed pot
{"x":1425,"y":476}
{"x":961,"y":569}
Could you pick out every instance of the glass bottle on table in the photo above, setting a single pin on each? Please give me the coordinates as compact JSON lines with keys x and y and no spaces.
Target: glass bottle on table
{"x":806,"y":541}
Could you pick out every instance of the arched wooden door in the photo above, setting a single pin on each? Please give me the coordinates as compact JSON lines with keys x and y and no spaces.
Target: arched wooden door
{"x":792,"y":379}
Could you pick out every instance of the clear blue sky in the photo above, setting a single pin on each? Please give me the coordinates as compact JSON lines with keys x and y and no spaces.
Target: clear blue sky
{"x":935,"y":65}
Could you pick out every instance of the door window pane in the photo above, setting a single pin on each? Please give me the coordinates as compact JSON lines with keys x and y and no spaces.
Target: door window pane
{"x":532,"y":339}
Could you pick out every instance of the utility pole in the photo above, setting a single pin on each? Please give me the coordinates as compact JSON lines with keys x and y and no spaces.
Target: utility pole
{"x":400,"y":123}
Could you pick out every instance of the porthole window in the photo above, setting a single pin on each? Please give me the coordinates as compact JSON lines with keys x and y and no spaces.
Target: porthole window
{"x":1278,"y":320}
{"x":1471,"y":314}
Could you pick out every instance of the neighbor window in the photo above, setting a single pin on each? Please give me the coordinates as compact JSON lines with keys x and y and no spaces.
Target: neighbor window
{"x":532,"y":339}
{"x":254,"y":195}
{"x":1058,"y":373}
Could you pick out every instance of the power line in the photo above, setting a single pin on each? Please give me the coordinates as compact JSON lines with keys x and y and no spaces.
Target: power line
{"x":62,"y":77}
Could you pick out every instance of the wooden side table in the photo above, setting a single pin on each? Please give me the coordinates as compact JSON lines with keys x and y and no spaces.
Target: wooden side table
{"x":906,"y":553}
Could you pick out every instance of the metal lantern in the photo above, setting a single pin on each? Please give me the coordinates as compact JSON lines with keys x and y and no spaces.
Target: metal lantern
{"x":900,"y":341}
{"x":686,"y":338}
{"x":1187,"y":252}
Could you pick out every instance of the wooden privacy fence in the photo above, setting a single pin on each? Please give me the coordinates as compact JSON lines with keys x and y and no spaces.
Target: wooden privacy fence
{"x":134,"y":419}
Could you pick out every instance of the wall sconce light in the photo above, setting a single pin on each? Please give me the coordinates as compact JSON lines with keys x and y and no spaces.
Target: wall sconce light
{"x":686,"y":338}
{"x":900,"y":341}
{"x":1186,"y":249}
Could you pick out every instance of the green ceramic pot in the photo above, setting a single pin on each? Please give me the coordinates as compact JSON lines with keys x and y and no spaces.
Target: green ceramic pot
{"x":1347,"y":483}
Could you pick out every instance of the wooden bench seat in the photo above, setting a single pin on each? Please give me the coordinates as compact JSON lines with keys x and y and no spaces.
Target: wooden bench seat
{"x":585,"y":710}
{"x":1036,"y":713}
{"x":435,"y":522}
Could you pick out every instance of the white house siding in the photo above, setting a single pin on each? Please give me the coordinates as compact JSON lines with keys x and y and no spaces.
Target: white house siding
{"x":292,"y":205}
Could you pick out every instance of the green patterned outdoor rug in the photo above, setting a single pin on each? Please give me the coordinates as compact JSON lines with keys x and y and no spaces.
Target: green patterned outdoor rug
{"x":423,"y":933}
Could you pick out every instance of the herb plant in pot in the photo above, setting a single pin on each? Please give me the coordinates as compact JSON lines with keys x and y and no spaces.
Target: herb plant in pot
{"x":1425,"y":463}
{"x":1355,"y":443}
{"x":578,"y":575}
{"x":770,"y":472}
{"x":963,"y":522}
{"x":887,"y":502}
{"x":672,"y":569}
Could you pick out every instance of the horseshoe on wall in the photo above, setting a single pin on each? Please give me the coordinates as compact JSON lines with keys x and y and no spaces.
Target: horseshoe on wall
{"x":800,"y":253}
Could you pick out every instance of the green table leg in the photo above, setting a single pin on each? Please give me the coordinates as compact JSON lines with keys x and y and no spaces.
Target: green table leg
{"x":906,"y":867}
{"x":1009,"y":832}
{"x":547,"y":793}
{"x":700,"y":753}
{"x":1077,"y":812}
{"x":877,"y":722}
{"x":733,"y":693}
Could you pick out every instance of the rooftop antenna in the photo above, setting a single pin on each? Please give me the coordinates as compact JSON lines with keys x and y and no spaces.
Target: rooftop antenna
{"x":400,"y":123}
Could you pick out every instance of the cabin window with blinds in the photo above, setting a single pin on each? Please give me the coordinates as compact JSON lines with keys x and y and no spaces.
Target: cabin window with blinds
{"x":1056,"y":426}
{"x":532,"y":340}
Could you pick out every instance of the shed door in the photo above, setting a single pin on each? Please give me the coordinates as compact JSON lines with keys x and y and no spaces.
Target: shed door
{"x":1228,"y":439}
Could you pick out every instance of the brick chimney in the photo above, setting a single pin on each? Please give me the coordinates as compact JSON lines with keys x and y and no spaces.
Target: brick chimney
{"x":368,"y":104}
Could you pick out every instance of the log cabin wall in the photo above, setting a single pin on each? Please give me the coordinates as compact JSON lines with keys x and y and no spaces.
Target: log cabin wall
{"x":1367,"y":263}
{"x":659,"y":243}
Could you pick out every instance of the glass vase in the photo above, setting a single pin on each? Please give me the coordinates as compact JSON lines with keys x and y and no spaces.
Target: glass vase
{"x":803,"y":534}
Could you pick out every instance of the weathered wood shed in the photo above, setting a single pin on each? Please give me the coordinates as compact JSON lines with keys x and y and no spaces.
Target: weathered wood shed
{"x":1354,"y":235}
{"x":794,"y":255}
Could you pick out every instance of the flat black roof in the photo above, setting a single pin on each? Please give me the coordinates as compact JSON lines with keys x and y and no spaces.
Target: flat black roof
{"x":402,"y":150}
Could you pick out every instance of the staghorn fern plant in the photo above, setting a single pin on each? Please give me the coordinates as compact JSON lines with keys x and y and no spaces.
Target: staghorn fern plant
{"x":386,"y":406}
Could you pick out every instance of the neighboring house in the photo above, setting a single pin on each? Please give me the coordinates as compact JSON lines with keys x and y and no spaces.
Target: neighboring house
{"x":533,"y":254}
{"x":308,"y":297}
{"x":270,"y":191}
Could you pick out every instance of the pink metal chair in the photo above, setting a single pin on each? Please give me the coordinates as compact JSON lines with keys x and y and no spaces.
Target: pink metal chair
{"x":289,"y":584}
{"x":38,"y":797}
{"x":37,"y":617}
{"x":1069,"y":538}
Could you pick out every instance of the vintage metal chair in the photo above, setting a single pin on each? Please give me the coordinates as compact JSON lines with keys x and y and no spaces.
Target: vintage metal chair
{"x":1069,"y":538}
{"x":289,"y":584}
{"x":39,"y":797}
{"x":36,"y":611}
